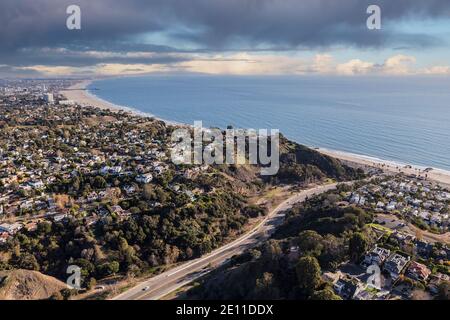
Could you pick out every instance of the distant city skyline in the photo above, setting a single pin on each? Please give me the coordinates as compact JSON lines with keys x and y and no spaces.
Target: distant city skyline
{"x":243,"y":37}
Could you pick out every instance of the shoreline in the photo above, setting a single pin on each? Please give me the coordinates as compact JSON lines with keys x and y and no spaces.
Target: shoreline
{"x":439,"y":176}
{"x":79,"y":94}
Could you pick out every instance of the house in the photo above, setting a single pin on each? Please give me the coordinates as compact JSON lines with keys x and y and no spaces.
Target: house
{"x":402,"y":237}
{"x":144,"y":178}
{"x":423,"y":248}
{"x":59,"y":217}
{"x":38,"y":185}
{"x":436,"y":219}
{"x":129,"y":190}
{"x":418,"y":271}
{"x":103,"y":212}
{"x":347,"y":287}
{"x":364,"y":295}
{"x":159,"y":169}
{"x":380,"y":205}
{"x":391,"y":206}
{"x":115,"y":170}
{"x":117,"y":209}
{"x":10,"y":228}
{"x":436,"y":280}
{"x":190,"y":195}
{"x":31,"y":226}
{"x":93,"y":196}
{"x":111,"y":170}
{"x":3,"y":237}
{"x":395,"y":264}
{"x":377,"y":256}
{"x":354,"y":198}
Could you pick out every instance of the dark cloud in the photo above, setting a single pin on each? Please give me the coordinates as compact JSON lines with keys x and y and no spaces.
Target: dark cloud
{"x":209,"y":25}
{"x":8,"y":71}
{"x":83,"y":58}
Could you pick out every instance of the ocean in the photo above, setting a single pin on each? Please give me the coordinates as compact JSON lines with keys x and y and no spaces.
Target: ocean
{"x":400,"y":119}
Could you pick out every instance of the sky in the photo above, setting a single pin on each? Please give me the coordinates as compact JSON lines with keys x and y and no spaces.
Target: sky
{"x":243,"y":37}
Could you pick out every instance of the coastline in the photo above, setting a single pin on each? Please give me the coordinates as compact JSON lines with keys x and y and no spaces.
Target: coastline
{"x":437,"y":175}
{"x":79,"y":93}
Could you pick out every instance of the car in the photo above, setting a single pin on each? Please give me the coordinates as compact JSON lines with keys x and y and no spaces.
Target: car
{"x":145,"y":288}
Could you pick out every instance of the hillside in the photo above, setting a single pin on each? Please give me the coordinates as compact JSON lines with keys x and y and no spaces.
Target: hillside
{"x":28,"y":285}
{"x":273,"y":271}
{"x":120,"y":206}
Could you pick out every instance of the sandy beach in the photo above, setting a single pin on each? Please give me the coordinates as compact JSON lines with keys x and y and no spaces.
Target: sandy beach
{"x":440,"y":176}
{"x":80,"y":95}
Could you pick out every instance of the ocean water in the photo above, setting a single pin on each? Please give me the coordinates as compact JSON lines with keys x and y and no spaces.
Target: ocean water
{"x":401,"y":119}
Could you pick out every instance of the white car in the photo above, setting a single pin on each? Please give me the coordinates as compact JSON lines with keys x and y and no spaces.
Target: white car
{"x":145,"y":288}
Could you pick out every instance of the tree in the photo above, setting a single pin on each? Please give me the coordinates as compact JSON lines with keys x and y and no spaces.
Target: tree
{"x":67,"y":293}
{"x":100,"y":182}
{"x":61,"y":200}
{"x":265,"y":287}
{"x":308,"y":274}
{"x":325,"y":294}
{"x":357,"y":246}
{"x":91,"y":283}
{"x":444,"y":291}
{"x":333,"y":252}
{"x":28,"y":261}
{"x":108,"y":269}
{"x":310,"y":241}
{"x":76,"y":183}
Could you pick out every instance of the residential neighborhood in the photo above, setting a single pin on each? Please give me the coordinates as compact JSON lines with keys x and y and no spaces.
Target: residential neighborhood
{"x":421,"y":202}
{"x":41,"y":170}
{"x":412,"y":250}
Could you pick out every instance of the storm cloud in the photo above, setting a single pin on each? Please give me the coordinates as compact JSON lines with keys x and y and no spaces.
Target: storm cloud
{"x":34,"y":31}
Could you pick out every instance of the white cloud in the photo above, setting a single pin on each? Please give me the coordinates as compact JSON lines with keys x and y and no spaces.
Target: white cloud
{"x":112,"y":69}
{"x":323,"y":63}
{"x":399,"y":65}
{"x":437,"y":70}
{"x":52,"y":70}
{"x":354,"y":67}
{"x":244,"y":63}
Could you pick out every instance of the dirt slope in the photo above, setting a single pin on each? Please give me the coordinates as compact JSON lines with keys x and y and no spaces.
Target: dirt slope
{"x":27,"y":285}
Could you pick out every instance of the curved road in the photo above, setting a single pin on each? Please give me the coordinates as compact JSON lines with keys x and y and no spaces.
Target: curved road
{"x":173,"y":279}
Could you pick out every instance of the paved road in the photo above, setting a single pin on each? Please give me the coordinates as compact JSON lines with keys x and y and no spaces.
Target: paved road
{"x":171,"y":280}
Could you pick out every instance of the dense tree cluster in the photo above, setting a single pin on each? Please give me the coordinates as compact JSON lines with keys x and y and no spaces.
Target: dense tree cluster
{"x":323,"y":237}
{"x":148,"y":240}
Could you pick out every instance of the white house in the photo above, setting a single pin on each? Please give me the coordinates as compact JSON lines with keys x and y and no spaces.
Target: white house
{"x":144,"y":178}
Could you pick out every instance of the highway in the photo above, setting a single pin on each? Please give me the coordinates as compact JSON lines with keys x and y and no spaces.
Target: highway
{"x":159,"y":286}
